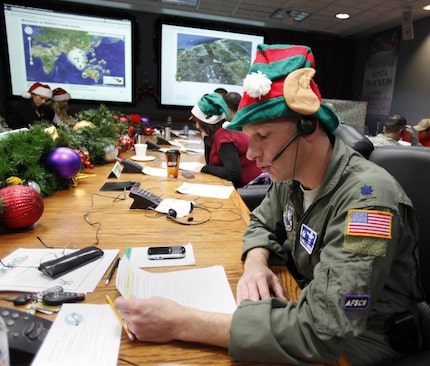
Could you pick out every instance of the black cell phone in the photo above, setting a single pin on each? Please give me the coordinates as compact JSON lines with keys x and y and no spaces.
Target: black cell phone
{"x":187,"y":175}
{"x":170,"y":252}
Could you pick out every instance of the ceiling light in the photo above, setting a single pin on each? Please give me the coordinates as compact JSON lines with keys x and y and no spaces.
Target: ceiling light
{"x":427,"y":7}
{"x":342,"y":16}
{"x":193,"y":3}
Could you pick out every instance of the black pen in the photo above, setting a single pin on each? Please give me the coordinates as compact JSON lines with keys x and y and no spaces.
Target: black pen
{"x":112,"y":271}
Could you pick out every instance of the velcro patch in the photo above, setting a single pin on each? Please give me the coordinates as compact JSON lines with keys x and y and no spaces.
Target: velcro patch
{"x":355,"y":302}
{"x":308,"y":238}
{"x":369,"y":223}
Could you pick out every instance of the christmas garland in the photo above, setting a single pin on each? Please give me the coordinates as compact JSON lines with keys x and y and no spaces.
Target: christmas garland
{"x":93,"y":131}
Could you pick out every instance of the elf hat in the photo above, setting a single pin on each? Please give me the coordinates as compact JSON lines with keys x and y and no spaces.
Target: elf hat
{"x":42,"y":90}
{"x":279,"y":83}
{"x":211,"y":109}
{"x":59,"y":95}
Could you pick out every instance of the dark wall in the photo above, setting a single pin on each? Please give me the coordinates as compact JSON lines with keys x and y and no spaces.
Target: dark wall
{"x":334,"y":62}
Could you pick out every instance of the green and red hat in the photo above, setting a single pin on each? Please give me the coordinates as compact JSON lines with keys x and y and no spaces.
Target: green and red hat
{"x":279,"y":83}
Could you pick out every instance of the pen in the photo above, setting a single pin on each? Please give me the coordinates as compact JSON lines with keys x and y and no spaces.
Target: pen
{"x":121,"y":320}
{"x":112,"y":271}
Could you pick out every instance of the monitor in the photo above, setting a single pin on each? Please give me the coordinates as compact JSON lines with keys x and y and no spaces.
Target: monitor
{"x":196,"y":61}
{"x":89,"y":56}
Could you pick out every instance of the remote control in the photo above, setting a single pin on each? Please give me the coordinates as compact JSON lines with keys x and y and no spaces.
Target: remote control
{"x":58,"y":298}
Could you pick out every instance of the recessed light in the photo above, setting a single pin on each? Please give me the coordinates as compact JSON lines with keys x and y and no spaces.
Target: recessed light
{"x":342,"y":16}
{"x":427,"y":7}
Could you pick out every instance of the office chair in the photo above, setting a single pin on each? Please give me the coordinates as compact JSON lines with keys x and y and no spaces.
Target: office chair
{"x":411,"y":167}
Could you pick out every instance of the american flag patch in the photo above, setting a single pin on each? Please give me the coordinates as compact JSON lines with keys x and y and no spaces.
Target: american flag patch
{"x":369,"y":223}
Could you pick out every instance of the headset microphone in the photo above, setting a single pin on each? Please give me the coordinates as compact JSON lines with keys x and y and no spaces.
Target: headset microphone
{"x":283,"y":148}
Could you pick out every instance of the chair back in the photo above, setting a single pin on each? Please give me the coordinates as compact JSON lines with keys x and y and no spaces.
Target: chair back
{"x":411,"y":167}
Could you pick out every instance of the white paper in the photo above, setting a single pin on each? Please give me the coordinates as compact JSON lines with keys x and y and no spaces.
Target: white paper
{"x":138,"y":257}
{"x":82,"y":334}
{"x":20,"y":278}
{"x":200,"y":288}
{"x":182,"y":207}
{"x":206,"y":190}
{"x":193,"y":166}
{"x":155,"y":172}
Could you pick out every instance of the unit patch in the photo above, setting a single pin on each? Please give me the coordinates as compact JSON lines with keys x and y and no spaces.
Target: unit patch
{"x":355,"y":302}
{"x":369,"y":223}
{"x":308,"y":238}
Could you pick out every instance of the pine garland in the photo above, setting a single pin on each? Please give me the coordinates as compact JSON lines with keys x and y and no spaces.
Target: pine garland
{"x":23,"y":154}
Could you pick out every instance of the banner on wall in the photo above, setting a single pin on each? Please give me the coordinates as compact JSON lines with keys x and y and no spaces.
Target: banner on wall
{"x":379,"y":78}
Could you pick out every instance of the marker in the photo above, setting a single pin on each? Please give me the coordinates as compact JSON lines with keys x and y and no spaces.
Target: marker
{"x":121,"y":320}
{"x":112,"y":271}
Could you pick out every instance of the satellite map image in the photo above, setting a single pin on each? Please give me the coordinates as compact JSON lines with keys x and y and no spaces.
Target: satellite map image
{"x":213,"y":60}
{"x":74,"y":57}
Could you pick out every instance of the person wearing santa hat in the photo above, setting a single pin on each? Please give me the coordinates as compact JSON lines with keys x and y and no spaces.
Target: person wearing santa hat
{"x":60,"y":105}
{"x":350,"y":228}
{"x":33,"y":108}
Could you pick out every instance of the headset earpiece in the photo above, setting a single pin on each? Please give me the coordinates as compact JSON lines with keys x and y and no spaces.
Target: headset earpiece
{"x":171,"y":214}
{"x":306,"y":125}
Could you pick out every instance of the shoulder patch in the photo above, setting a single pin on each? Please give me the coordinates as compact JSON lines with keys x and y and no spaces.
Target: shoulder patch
{"x":355,"y":302}
{"x":373,"y":223}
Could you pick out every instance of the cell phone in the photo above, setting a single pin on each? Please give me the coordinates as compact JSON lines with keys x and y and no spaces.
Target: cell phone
{"x":187,"y":175}
{"x":170,"y":252}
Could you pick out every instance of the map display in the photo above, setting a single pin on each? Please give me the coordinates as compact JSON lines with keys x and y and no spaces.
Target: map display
{"x":212,"y":60}
{"x":55,"y":55}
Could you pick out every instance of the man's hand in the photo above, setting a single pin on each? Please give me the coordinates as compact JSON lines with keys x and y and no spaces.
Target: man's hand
{"x":257,"y":280}
{"x":162,"y":320}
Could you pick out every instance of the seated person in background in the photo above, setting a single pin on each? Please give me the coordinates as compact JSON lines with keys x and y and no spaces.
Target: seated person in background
{"x":394,"y":128}
{"x":225,"y":151}
{"x":60,"y":105}
{"x":423,"y":128}
{"x":33,"y":109}
{"x":232,"y":99}
{"x":357,"y":276}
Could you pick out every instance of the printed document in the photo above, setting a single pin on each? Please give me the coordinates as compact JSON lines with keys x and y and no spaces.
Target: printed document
{"x":22,"y":274}
{"x":200,"y":288}
{"x":82,"y":334}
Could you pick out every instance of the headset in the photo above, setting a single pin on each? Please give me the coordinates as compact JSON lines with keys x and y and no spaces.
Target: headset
{"x":305,"y":126}
{"x":172,"y":215}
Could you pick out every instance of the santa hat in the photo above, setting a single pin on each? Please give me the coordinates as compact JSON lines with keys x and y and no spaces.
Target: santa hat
{"x":59,"y":95}
{"x":39,"y":89}
{"x":211,"y":108}
{"x":279,"y":83}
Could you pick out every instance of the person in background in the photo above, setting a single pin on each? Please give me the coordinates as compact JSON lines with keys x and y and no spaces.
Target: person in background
{"x":423,"y":128}
{"x":351,"y":231}
{"x":225,"y":151}
{"x":394,"y":128}
{"x":221,"y":91}
{"x":60,"y":105}
{"x":33,"y":109}
{"x":232,"y":100}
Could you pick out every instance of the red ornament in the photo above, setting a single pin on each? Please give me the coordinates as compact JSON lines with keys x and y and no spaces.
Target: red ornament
{"x":22,"y":206}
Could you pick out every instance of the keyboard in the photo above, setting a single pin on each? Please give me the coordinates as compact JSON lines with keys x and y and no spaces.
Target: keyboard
{"x":143,"y":199}
{"x":26,"y":333}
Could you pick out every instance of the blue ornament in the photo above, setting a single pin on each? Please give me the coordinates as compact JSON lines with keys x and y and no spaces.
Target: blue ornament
{"x":64,"y":161}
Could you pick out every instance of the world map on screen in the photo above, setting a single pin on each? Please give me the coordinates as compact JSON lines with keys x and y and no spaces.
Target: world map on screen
{"x":73,"y":57}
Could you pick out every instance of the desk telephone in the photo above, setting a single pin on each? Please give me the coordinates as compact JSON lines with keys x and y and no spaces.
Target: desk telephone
{"x":143,"y":199}
{"x":26,"y":333}
{"x":130,"y":166}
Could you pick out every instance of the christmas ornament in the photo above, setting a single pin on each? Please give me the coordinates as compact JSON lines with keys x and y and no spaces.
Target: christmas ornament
{"x":82,"y":124}
{"x":20,"y":206}
{"x":13,"y":180}
{"x":34,"y":185}
{"x":111,"y":152}
{"x":64,"y":161}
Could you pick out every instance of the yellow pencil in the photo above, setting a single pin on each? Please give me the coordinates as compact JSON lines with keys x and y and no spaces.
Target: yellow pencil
{"x":121,"y":320}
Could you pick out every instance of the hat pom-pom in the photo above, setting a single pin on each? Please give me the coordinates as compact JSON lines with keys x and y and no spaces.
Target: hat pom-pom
{"x":257,"y":84}
{"x":225,"y":124}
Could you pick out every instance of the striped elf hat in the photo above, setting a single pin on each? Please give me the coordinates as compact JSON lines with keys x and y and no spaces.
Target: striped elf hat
{"x":279,"y":83}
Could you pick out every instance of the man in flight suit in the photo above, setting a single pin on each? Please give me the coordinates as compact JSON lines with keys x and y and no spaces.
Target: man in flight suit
{"x":349,"y":226}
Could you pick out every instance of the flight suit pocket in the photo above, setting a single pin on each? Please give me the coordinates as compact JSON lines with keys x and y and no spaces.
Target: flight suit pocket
{"x":341,"y":293}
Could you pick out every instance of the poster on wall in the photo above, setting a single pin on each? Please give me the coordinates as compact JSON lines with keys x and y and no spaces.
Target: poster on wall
{"x":379,"y":78}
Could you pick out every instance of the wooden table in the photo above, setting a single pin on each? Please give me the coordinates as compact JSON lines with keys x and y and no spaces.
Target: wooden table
{"x":218,"y":241}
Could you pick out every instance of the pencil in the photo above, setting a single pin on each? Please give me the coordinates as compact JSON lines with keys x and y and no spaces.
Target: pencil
{"x":121,"y":320}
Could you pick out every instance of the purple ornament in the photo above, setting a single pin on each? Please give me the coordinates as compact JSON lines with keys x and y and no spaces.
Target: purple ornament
{"x":64,"y":161}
